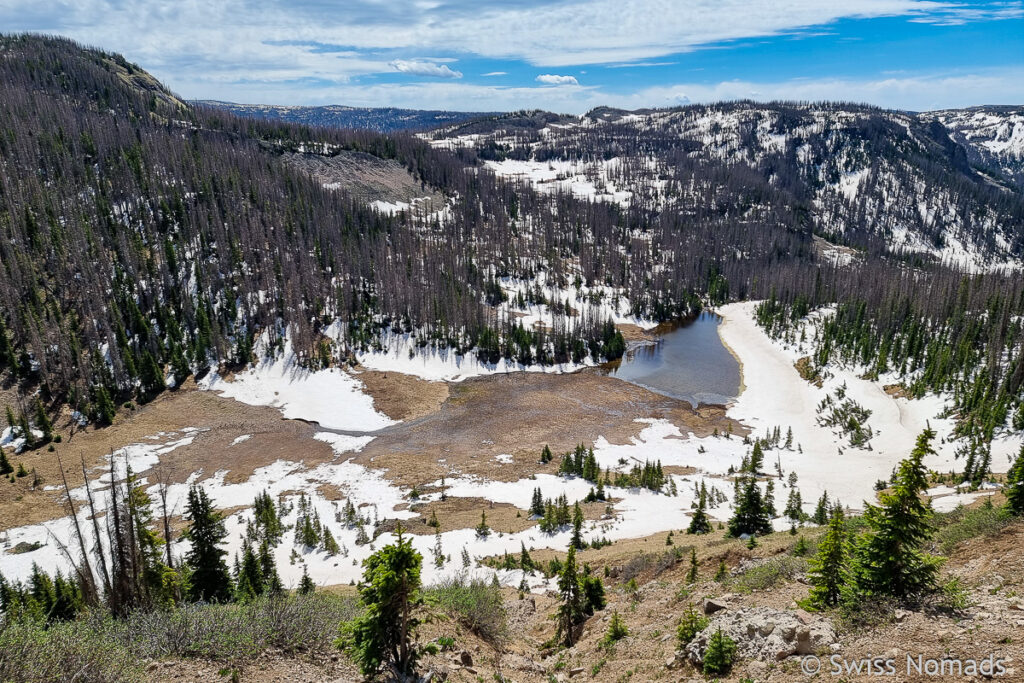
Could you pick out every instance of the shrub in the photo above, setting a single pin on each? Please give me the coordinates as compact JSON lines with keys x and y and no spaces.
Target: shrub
{"x":86,"y":648}
{"x":474,"y":603}
{"x":964,"y":524}
{"x":769,"y":574}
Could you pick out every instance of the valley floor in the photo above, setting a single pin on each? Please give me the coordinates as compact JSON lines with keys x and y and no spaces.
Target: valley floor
{"x":402,"y":448}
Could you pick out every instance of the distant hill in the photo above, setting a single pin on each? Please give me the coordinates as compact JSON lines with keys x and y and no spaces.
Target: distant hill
{"x":379,"y":119}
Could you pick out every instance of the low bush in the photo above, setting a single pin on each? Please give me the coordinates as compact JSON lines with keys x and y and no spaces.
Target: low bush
{"x":962,"y":524}
{"x":475,"y":603}
{"x":769,"y":574}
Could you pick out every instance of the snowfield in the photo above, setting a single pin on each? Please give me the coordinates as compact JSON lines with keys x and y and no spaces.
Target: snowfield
{"x":773,"y":395}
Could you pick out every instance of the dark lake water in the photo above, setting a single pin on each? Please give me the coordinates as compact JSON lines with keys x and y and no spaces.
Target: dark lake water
{"x":689,"y":362}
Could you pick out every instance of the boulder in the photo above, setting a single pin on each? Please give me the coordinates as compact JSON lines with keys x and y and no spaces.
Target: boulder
{"x":711,"y":606}
{"x":765,"y":634}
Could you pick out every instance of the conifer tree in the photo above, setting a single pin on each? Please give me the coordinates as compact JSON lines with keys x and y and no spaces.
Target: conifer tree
{"x":820,"y":516}
{"x":390,"y":591}
{"x":756,"y":457}
{"x":570,"y":612}
{"x":719,"y":655}
{"x":700,"y":523}
{"x":577,"y":526}
{"x":209,"y":580}
{"x":829,"y":571}
{"x":889,"y":558}
{"x":537,"y":503}
{"x":306,"y":585}
{"x":1014,"y":485}
{"x":691,"y":575}
{"x":43,"y":423}
{"x":482,"y":530}
{"x":5,"y":464}
{"x":750,"y":516}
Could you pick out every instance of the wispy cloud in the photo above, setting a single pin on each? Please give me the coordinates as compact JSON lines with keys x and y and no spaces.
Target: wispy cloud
{"x":495,"y":73}
{"x":424,"y":68}
{"x":630,"y":65}
{"x":555,"y":79}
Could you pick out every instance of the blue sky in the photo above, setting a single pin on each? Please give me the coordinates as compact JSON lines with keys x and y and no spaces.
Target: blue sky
{"x":567,"y":55}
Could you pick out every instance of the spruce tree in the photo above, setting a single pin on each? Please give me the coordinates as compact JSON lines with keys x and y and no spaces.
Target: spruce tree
{"x":1014,"y":485}
{"x":889,"y":559}
{"x":719,"y":655}
{"x":700,"y":523}
{"x":306,"y":585}
{"x":209,"y":581}
{"x":482,"y":530}
{"x":691,"y":575}
{"x":577,"y":526}
{"x":570,"y":612}
{"x":5,"y":464}
{"x":390,"y":591}
{"x":820,"y":516}
{"x":750,"y":516}
{"x":829,"y":570}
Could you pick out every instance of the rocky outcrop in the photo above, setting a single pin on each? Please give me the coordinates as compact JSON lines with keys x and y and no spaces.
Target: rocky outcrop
{"x":765,"y":633}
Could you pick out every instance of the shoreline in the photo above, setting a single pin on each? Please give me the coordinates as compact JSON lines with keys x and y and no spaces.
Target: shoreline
{"x":732,"y":352}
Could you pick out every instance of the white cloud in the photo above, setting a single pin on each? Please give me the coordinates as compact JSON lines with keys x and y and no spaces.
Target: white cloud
{"x":554,"y":79}
{"x":424,"y":68}
{"x":495,"y":73}
{"x":277,"y":51}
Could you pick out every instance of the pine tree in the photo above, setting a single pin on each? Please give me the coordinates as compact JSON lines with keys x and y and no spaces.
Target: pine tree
{"x":525,"y":561}
{"x":756,"y":458}
{"x":537,"y":503}
{"x":691,"y":575}
{"x":750,"y":516}
{"x":820,"y":516}
{"x":545,"y":455}
{"x":769,"y":499}
{"x":829,"y":571}
{"x":249,"y":582}
{"x":570,"y":612}
{"x":700,"y":523}
{"x":390,"y":591}
{"x":482,"y":530}
{"x":209,"y":581}
{"x":1014,"y":485}
{"x":43,"y":423}
{"x":794,"y":504}
{"x":5,"y":464}
{"x":889,"y":559}
{"x":306,"y":585}
{"x":577,"y":525}
{"x":719,"y":655}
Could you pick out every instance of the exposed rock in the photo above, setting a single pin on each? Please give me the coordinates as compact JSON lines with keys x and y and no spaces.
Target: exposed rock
{"x":764,"y":633}
{"x":575,"y":671}
{"x":711,"y":606}
{"x":521,"y":663}
{"x":465,"y":658}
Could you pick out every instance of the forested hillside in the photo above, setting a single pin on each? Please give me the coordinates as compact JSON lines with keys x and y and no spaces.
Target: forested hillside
{"x":145,"y":240}
{"x":379,"y":119}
